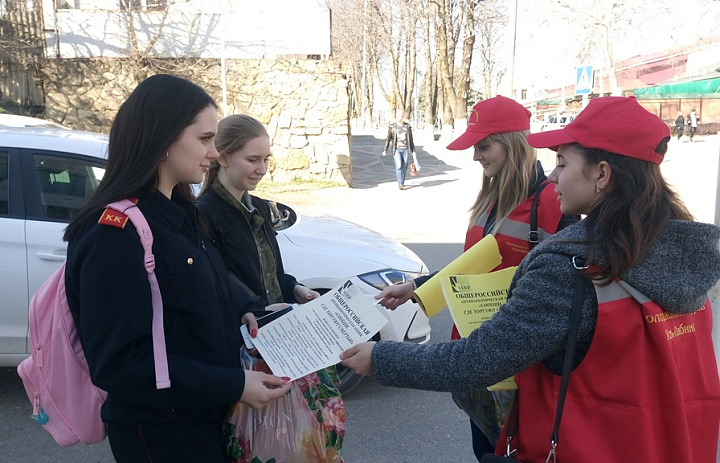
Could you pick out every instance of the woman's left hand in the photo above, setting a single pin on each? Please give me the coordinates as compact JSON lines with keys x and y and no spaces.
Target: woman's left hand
{"x":359,"y":358}
{"x":304,"y":294}
{"x":252,"y":324}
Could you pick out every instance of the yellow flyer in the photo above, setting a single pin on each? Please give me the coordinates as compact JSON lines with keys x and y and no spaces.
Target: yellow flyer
{"x":474,"y":299}
{"x":482,"y":257}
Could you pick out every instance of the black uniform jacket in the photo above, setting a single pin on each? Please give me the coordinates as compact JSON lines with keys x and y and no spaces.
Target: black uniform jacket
{"x":234,"y":238}
{"x":109,"y":296}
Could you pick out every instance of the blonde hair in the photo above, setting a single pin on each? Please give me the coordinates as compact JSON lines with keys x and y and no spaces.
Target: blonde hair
{"x":234,"y":132}
{"x":512,"y":185}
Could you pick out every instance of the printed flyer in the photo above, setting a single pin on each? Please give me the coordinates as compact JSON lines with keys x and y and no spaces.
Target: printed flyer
{"x":474,"y":299}
{"x":313,"y":335}
{"x":482,"y":257}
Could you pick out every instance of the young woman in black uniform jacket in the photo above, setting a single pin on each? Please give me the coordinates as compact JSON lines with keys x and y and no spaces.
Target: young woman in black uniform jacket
{"x":240,"y":222}
{"x":161,"y":140}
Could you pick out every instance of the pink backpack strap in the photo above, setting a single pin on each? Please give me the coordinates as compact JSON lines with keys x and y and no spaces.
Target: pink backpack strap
{"x":127,"y":207}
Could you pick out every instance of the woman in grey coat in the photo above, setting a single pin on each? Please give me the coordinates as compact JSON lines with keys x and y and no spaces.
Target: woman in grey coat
{"x":644,"y":385}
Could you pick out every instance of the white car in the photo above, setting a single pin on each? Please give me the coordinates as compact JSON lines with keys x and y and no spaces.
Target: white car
{"x":557,"y":121}
{"x":12,"y":120}
{"x":46,"y":174}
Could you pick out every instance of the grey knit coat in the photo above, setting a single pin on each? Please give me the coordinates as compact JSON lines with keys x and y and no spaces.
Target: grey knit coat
{"x":681,"y":267}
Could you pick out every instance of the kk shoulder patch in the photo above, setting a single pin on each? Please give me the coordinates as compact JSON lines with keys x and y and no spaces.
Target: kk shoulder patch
{"x":113,"y":217}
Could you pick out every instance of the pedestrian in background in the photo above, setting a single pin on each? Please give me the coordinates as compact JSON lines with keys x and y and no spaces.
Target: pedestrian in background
{"x":400,"y":141}
{"x":160,"y":141}
{"x":692,"y":121}
{"x":513,"y":179}
{"x":644,"y":384}
{"x":679,"y":125}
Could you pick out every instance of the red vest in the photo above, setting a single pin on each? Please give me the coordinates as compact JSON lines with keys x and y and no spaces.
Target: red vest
{"x":646,"y":391}
{"x":512,"y":235}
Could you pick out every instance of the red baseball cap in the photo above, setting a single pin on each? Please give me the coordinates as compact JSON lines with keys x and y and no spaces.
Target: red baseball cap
{"x":612,"y":123}
{"x":494,"y":115}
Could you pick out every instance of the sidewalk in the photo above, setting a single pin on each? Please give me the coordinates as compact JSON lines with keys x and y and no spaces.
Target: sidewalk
{"x":434,"y":206}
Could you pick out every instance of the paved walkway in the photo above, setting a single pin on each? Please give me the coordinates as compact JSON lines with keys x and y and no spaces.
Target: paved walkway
{"x":434,"y":206}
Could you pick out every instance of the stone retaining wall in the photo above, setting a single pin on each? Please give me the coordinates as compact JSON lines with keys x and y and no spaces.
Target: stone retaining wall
{"x":304,"y":105}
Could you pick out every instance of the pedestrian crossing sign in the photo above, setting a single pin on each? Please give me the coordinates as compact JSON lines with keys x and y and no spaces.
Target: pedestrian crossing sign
{"x":584,"y":81}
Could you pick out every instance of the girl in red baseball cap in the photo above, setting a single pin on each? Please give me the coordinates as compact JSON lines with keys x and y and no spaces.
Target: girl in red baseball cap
{"x":512,"y":192}
{"x":617,"y":304}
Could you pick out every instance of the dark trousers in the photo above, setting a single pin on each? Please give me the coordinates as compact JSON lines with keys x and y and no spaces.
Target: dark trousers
{"x":196,"y":440}
{"x":481,"y":444}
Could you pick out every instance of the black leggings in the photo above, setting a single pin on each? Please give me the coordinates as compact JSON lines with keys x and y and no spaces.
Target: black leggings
{"x":196,"y":440}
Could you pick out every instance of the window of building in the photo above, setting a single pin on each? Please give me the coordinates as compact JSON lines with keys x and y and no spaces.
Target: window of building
{"x":146,"y":5}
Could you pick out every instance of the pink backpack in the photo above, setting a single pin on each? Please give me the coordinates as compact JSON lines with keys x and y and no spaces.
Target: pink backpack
{"x":56,"y":375}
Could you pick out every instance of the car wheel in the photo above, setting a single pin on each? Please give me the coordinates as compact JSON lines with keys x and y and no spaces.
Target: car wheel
{"x":348,"y":379}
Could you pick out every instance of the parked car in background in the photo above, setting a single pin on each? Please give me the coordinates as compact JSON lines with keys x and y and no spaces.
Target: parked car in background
{"x":557,"y":121}
{"x":13,"y":120}
{"x":46,"y":174}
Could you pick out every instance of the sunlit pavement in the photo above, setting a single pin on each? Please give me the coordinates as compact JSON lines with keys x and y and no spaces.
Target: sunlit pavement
{"x":433,"y":208}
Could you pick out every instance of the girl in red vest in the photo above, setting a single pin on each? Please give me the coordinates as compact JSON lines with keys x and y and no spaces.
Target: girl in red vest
{"x":644,"y":384}
{"x":514,"y":183}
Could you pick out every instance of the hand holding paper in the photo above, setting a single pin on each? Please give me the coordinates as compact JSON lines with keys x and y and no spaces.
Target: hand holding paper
{"x":313,"y":335}
{"x":359,"y":358}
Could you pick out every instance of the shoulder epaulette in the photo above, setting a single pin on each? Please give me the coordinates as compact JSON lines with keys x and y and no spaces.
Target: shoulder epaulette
{"x":114,"y":217}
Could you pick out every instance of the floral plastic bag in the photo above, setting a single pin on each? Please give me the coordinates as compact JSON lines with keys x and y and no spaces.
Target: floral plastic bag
{"x":306,"y":425}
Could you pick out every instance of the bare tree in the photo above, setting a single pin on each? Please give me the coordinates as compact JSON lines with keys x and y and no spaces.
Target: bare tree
{"x":348,"y":37}
{"x":455,"y":20}
{"x":429,"y":84}
{"x":601,"y":19}
{"x":491,"y":20}
{"x":396,"y":50}
{"x":142,"y":56}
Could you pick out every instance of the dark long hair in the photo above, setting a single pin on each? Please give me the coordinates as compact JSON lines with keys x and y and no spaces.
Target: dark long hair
{"x":632,"y":213}
{"x":147,"y":123}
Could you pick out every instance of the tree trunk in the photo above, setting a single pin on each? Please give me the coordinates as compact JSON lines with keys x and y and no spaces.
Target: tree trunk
{"x":445,"y":64}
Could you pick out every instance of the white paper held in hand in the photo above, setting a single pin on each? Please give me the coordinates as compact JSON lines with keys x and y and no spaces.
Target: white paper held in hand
{"x":313,"y":336}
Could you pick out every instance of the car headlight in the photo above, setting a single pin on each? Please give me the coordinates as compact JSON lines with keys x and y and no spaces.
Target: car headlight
{"x":381,"y":279}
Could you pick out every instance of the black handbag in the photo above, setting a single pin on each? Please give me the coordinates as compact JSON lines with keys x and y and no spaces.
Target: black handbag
{"x":579,"y":265}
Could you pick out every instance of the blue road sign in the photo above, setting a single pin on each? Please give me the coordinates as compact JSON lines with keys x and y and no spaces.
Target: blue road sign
{"x":584,"y":81}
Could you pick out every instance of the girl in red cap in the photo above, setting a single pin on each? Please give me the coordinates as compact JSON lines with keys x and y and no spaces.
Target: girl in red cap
{"x":512,"y":191}
{"x":623,"y":292}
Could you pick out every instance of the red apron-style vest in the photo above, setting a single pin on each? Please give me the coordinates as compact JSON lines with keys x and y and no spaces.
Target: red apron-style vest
{"x":512,"y":235}
{"x":646,"y":391}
